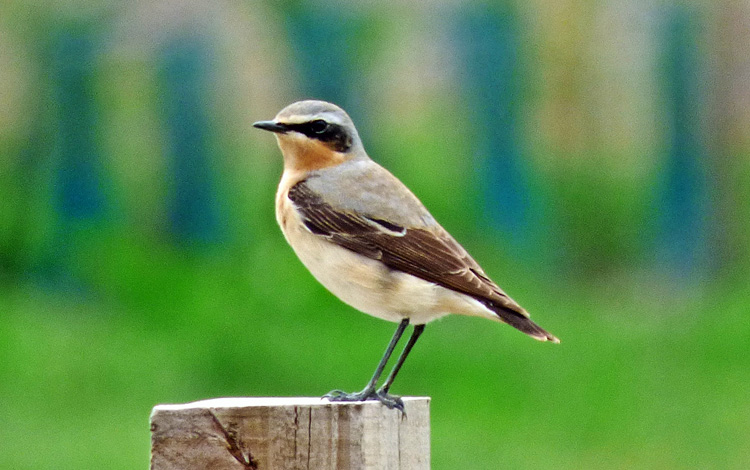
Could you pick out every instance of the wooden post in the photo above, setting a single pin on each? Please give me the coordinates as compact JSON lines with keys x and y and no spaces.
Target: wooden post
{"x":285,"y":433}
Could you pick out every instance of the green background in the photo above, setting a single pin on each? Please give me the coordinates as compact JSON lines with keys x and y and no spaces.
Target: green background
{"x":594,"y":157}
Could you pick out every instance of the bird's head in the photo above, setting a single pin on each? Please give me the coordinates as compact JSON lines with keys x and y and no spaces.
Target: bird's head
{"x":314,"y":134}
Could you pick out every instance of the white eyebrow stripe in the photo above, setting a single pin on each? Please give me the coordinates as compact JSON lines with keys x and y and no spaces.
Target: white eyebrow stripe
{"x":331,"y":118}
{"x":296,"y":119}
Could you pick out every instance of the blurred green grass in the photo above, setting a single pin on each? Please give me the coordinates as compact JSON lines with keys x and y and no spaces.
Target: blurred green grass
{"x":625,"y":389}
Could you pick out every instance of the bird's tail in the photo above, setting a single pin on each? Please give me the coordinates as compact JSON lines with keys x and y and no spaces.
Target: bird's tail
{"x":520,"y":322}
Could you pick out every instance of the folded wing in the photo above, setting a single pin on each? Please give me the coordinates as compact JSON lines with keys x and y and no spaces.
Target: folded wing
{"x":429,"y":253}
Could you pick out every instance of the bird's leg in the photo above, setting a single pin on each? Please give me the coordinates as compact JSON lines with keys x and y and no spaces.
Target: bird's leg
{"x":393,"y":401}
{"x":418,"y":329}
{"x":369,"y":391}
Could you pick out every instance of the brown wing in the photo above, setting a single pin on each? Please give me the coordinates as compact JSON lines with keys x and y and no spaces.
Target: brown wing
{"x":432,"y":255}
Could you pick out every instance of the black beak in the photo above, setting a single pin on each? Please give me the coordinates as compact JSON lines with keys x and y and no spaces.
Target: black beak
{"x":271,"y":126}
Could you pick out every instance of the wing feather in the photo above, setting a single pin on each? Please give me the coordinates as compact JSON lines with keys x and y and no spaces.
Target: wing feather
{"x":429,"y":254}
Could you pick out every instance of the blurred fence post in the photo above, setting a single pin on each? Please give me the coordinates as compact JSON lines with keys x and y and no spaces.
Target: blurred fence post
{"x":186,"y":67}
{"x":290,"y":433}
{"x":489,"y":44}
{"x":72,"y":72}
{"x":324,"y":39}
{"x":684,"y":195}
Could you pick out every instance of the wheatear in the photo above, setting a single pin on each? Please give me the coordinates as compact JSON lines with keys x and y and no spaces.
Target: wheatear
{"x":370,"y":241}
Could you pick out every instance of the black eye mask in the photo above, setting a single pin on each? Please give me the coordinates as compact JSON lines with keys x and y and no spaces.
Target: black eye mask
{"x":332,"y":134}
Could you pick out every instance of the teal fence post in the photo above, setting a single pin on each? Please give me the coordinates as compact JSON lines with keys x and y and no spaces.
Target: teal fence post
{"x":185,"y":66}
{"x":78,"y":186}
{"x":490,"y":74}
{"x":684,"y":186}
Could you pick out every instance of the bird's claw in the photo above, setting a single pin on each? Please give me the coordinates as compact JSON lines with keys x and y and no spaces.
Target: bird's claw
{"x":391,"y":401}
{"x":340,"y":395}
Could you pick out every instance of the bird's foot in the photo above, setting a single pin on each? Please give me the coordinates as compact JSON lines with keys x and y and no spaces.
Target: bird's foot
{"x":340,"y":395}
{"x":391,"y":401}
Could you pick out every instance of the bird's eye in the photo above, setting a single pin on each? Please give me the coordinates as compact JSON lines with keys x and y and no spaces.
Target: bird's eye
{"x":319,"y":126}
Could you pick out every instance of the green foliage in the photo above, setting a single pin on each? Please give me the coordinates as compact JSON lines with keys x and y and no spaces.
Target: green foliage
{"x":625,"y":389}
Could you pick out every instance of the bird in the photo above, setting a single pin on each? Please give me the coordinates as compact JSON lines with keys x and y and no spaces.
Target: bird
{"x":371,"y":242}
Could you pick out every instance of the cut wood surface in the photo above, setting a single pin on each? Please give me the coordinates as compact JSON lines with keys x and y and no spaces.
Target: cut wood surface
{"x":284,"y":433}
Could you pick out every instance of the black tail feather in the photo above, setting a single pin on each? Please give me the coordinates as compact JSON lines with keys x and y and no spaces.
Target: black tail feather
{"x":521,"y":322}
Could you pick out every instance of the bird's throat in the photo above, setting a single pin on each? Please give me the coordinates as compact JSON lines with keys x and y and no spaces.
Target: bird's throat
{"x":304,"y":155}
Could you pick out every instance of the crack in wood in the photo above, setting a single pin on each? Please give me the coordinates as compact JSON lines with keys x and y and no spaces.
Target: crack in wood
{"x":309,"y":436}
{"x":233,"y":446}
{"x":296,"y":427}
